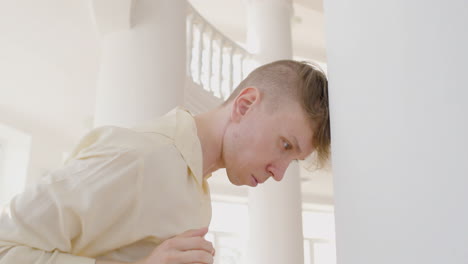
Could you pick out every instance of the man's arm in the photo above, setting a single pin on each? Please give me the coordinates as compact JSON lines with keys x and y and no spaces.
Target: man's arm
{"x":77,"y":209}
{"x":18,"y":254}
{"x":71,"y":208}
{"x":188,"y":247}
{"x":34,"y":229}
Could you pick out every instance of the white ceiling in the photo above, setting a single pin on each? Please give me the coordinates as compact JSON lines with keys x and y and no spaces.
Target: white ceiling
{"x":307,"y":24}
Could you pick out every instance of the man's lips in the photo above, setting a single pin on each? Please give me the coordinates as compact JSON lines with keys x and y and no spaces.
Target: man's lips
{"x":254,"y":181}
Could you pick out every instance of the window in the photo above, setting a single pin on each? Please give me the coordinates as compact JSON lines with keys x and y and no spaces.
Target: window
{"x":229,"y":231}
{"x":319,"y":236}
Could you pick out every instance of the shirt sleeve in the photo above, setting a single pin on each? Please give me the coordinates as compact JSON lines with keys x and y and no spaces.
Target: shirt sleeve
{"x":60,"y":220}
{"x":15,"y":254}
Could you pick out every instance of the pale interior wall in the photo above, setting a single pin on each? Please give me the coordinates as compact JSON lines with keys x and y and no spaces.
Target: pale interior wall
{"x":48,"y":60}
{"x":399,"y":128}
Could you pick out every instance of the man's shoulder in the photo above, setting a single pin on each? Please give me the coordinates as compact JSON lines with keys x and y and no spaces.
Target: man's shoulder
{"x":174,"y":133}
{"x":119,"y":139}
{"x":131,"y":138}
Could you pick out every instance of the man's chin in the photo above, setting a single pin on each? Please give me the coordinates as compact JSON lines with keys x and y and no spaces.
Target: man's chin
{"x":236,"y":183}
{"x":234,"y":180}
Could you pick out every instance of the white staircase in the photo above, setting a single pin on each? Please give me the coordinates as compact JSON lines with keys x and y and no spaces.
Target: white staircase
{"x":215,"y":64}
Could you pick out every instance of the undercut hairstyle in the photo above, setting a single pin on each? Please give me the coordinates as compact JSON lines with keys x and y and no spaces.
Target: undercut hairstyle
{"x":299,"y":81}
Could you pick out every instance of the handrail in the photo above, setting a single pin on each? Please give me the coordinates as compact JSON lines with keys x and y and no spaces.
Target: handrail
{"x":214,"y":61}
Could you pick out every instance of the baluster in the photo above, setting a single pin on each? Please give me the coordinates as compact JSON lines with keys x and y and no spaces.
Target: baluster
{"x":231,"y":70}
{"x":210,"y":61}
{"x":200,"y":53}
{"x":189,"y":44}
{"x":220,"y":71}
{"x":241,"y":64}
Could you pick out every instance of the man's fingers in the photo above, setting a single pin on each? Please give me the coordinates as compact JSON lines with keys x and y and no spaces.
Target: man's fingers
{"x":192,"y":243}
{"x":195,"y":232}
{"x":196,"y":256}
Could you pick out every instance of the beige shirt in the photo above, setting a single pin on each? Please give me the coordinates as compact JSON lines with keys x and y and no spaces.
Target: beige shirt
{"x":120,"y":194}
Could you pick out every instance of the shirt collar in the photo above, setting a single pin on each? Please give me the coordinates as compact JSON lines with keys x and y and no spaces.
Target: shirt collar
{"x":187,"y":141}
{"x":179,"y":124}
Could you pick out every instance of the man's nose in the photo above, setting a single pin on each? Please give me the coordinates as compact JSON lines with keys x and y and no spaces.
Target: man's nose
{"x":278,"y":169}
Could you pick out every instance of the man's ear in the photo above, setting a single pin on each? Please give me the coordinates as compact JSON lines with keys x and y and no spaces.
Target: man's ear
{"x":244,"y":102}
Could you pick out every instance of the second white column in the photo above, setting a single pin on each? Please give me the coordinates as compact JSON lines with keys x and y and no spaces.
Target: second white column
{"x":275,"y":209}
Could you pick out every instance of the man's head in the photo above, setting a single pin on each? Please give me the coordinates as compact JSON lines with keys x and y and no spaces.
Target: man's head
{"x":279,"y":113}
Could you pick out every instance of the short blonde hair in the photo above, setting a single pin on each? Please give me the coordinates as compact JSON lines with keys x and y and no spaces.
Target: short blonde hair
{"x":300,"y":81}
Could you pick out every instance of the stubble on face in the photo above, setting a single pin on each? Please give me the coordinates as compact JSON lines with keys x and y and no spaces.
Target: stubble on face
{"x":243,"y":149}
{"x":237,"y":154}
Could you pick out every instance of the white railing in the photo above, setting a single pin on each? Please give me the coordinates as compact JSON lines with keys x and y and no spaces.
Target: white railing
{"x":214,"y":61}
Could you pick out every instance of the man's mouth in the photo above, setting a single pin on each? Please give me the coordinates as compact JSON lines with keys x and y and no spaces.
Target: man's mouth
{"x":254,"y":181}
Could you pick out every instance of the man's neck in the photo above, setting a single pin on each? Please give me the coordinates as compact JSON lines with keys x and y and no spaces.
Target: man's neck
{"x":210,"y":129}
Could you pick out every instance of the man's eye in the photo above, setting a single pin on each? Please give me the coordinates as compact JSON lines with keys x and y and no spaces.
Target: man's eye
{"x":287,"y":145}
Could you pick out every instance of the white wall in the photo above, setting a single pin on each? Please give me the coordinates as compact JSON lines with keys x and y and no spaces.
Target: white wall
{"x":398,"y":89}
{"x":48,"y":67}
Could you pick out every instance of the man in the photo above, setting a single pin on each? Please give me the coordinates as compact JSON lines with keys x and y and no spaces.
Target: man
{"x":130,"y":195}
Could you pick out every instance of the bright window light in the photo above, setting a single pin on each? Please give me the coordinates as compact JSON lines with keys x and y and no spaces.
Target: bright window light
{"x":229,"y":231}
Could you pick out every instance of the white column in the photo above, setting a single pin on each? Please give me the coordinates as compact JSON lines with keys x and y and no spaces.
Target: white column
{"x":142,"y":73}
{"x":275,"y":209}
{"x":269,"y":29}
{"x":399,"y":113}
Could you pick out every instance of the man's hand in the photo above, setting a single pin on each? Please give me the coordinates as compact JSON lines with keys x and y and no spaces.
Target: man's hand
{"x":188,"y":247}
